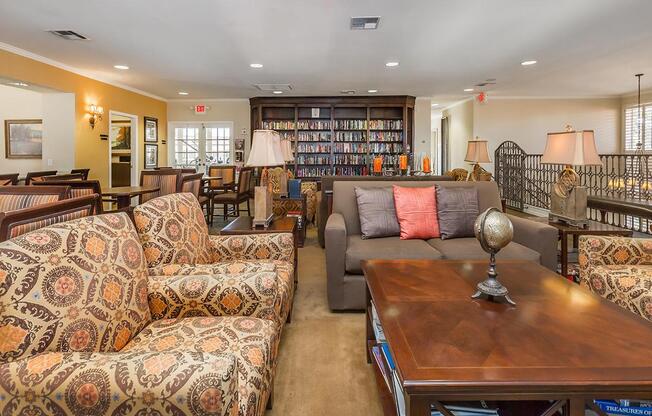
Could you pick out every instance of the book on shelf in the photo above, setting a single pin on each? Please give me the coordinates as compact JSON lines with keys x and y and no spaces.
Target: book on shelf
{"x":377,"y":327}
{"x":375,"y":351}
{"x":350,"y":147}
{"x":278,"y":124}
{"x":313,"y":172}
{"x":385,"y":124}
{"x":318,"y":147}
{"x":350,"y":124}
{"x":350,"y":136}
{"x":314,"y":124}
{"x":313,"y":159}
{"x":314,"y":136}
{"x":612,"y":407}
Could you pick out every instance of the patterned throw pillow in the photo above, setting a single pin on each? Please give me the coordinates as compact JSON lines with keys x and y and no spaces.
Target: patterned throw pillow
{"x":416,"y":210}
{"x":377,"y":213}
{"x":457,"y":210}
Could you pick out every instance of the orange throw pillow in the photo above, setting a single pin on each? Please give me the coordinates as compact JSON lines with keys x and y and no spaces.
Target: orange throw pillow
{"x":416,"y":210}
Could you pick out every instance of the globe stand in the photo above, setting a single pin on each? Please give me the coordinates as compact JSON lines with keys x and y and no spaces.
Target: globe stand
{"x":491,"y":286}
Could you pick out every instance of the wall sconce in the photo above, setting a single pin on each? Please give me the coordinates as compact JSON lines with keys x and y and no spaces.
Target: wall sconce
{"x":95,"y":115}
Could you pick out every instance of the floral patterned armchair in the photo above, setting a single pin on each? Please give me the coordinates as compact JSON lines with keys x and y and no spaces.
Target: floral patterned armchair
{"x":618,"y":269}
{"x":85,"y":330}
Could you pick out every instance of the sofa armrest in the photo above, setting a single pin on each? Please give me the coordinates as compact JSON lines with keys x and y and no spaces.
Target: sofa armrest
{"x":539,"y":237}
{"x":113,"y":383}
{"x":274,"y":246}
{"x":612,"y":250}
{"x":254,"y":294}
{"x":335,"y":236}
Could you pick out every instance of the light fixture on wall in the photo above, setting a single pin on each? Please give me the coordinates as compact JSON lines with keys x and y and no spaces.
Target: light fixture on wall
{"x":95,"y":113}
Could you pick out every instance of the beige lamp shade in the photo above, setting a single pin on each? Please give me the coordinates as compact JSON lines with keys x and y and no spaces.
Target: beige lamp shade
{"x":477,"y":152}
{"x":575,"y":148}
{"x":288,"y":155}
{"x":266,"y":149}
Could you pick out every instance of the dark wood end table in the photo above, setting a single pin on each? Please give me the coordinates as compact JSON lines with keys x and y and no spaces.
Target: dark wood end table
{"x":295,"y":207}
{"x":123,"y":194}
{"x":244,"y":225}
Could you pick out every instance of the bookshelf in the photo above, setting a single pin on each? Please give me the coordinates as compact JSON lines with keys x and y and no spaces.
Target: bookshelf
{"x":338,"y":135}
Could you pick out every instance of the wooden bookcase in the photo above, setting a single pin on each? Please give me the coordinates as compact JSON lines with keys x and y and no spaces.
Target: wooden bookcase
{"x":338,"y":135}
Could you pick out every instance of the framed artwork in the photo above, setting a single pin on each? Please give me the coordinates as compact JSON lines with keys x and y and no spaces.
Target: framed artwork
{"x":239,"y":144}
{"x":151,"y":130}
{"x":120,"y":135}
{"x":24,"y":139}
{"x":151,"y":156}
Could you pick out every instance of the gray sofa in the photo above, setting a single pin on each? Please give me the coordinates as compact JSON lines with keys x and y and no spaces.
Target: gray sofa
{"x":345,"y":248}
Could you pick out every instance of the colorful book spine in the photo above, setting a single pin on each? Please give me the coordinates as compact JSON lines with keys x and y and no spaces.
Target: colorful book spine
{"x":614,"y":408}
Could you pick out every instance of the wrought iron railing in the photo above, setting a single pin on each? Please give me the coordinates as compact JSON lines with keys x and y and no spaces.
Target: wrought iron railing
{"x":525,"y":182}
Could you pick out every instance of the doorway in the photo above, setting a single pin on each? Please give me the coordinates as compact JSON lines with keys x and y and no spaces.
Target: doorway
{"x":198,"y":145}
{"x":123,"y":149}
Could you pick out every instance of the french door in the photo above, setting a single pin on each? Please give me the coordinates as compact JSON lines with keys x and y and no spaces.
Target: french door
{"x":197,"y":145}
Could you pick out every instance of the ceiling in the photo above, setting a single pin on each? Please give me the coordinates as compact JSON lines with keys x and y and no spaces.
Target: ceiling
{"x":584,"y":48}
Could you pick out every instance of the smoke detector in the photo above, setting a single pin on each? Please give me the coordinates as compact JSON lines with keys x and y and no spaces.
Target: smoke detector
{"x":68,"y":34}
{"x":365,"y":23}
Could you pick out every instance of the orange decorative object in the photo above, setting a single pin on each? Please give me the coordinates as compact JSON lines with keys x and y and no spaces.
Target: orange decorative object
{"x":426,"y":164}
{"x":378,"y":164}
{"x":403,"y":162}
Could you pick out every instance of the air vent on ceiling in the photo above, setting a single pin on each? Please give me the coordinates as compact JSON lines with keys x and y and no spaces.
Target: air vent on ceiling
{"x":273,"y":87}
{"x":347,"y":92}
{"x":365,"y":23}
{"x":484,"y":84}
{"x":68,"y":34}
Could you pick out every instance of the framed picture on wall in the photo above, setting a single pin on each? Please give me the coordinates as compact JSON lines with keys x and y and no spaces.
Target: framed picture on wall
{"x":23,"y":139}
{"x":151,"y":130}
{"x":151,"y":156}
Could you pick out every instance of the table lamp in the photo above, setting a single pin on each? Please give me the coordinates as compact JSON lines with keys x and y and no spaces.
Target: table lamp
{"x":570,"y":148}
{"x":476,"y":152}
{"x":288,"y":156}
{"x":265,"y":151}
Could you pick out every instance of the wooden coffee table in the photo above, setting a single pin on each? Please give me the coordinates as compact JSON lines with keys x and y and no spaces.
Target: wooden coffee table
{"x":559,"y":342}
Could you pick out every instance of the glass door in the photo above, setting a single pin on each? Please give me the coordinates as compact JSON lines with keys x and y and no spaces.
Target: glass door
{"x":198,"y":145}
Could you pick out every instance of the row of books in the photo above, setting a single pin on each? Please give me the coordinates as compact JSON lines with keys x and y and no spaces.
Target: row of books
{"x":386,"y":124}
{"x":351,"y":124}
{"x":314,"y":136}
{"x":306,"y":159}
{"x":311,"y":172}
{"x":385,"y":147}
{"x":385,"y":136}
{"x":286,"y":135}
{"x":314,"y":147}
{"x":314,"y":124}
{"x":350,"y":136}
{"x":278,"y":124}
{"x":626,"y":407}
{"x":350,"y":147}
{"x":350,"y":159}
{"x":351,"y":170}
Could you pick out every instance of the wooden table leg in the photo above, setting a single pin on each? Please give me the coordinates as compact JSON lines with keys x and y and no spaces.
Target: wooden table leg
{"x":564,"y":255}
{"x":415,"y":406}
{"x":369,"y":333}
{"x":577,"y":407}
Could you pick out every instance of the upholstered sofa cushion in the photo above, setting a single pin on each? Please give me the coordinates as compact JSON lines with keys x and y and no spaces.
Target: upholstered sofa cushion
{"x":457,"y":210}
{"x":469,"y":249}
{"x":377,"y":212}
{"x":253,"y":341}
{"x":358,"y":249}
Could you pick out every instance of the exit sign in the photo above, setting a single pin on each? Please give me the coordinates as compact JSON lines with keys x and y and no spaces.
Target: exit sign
{"x":200,"y":109}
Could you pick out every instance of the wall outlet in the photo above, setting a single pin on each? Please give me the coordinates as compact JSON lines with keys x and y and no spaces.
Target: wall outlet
{"x":50,"y":163}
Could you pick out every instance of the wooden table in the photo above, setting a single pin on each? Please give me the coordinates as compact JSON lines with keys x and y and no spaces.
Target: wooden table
{"x":560,"y":342}
{"x":594,"y":228}
{"x":123,"y":194}
{"x":244,"y":225}
{"x":281,"y":206}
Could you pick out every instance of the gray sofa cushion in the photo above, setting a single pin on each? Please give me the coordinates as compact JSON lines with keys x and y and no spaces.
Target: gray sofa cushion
{"x":358,"y":249}
{"x":457,"y":209}
{"x":377,"y":212}
{"x":469,"y":249}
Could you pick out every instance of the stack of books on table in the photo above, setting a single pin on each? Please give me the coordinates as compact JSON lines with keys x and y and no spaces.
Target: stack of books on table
{"x":626,"y":407}
{"x":385,"y":361}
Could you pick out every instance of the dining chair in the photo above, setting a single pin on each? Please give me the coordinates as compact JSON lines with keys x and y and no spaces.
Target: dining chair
{"x":166,"y":180}
{"x":84,"y":172}
{"x":38,"y":176}
{"x":192,"y":183}
{"x":78,"y":188}
{"x":227,"y":173}
{"x":7,"y":179}
{"x":23,"y":196}
{"x":239,"y":195}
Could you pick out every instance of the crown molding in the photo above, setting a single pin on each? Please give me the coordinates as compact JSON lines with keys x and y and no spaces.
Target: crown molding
{"x":207,"y":100}
{"x":87,"y":74}
{"x":552,"y":97}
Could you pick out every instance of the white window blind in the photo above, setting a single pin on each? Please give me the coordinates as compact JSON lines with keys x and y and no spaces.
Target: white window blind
{"x":632,"y":126}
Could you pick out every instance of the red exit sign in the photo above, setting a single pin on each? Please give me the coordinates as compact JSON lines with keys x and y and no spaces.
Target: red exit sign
{"x":200,"y":109}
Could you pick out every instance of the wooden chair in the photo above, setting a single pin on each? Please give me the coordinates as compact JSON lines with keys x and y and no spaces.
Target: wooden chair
{"x":19,"y":197}
{"x":37,"y":176}
{"x":192,"y":183}
{"x":84,"y":173}
{"x":17,"y":222}
{"x":62,"y":177}
{"x":7,"y":179}
{"x":166,"y":180}
{"x":78,"y":188}
{"x":236,"y":197}
{"x":227,"y":172}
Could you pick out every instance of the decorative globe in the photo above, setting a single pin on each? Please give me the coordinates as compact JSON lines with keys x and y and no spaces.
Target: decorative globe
{"x":493,"y":230}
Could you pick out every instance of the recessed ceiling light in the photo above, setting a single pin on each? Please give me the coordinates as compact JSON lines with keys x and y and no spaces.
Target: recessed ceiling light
{"x":391,"y":64}
{"x":527,"y":63}
{"x":182,"y":93}
{"x":435,"y":105}
{"x":468,"y":89}
{"x":372,"y":91}
{"x":120,"y":66}
{"x":257,"y":66}
{"x":277,"y":92}
{"x":18,"y":84}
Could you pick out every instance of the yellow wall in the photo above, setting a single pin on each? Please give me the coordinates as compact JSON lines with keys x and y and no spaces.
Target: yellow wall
{"x":90,"y":151}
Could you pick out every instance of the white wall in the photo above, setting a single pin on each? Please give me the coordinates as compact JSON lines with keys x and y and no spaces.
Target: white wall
{"x":17,"y":104}
{"x":460,"y":118}
{"x":58,"y":131}
{"x":422,"y":132}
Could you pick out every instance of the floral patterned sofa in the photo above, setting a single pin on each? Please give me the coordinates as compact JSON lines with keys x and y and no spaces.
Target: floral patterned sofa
{"x":620,"y":270}
{"x":84,"y":329}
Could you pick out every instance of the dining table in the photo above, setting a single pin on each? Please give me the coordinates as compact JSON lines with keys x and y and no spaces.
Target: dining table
{"x":123,"y":194}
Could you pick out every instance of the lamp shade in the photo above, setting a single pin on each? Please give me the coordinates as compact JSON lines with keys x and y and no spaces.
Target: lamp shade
{"x":266,"y":149}
{"x":288,"y":154}
{"x":477,"y":152}
{"x":575,"y":148}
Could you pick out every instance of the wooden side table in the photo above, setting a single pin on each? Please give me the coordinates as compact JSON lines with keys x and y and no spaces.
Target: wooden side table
{"x":594,"y":228}
{"x":244,"y":225}
{"x":294,"y":207}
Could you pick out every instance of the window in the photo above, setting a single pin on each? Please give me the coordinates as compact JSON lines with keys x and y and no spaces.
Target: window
{"x":632,"y":128}
{"x":218,"y":145}
{"x":186,"y":146}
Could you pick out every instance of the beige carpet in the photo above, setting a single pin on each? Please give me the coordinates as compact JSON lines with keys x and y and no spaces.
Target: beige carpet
{"x":322,"y":369}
